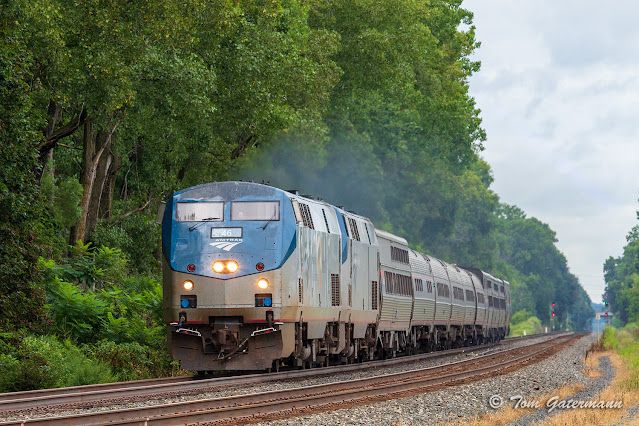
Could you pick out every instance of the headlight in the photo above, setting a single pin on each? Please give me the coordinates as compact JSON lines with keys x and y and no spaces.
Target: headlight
{"x":232,"y":266}
{"x":188,"y":285}
{"x":262,"y":283}
{"x":218,"y":267}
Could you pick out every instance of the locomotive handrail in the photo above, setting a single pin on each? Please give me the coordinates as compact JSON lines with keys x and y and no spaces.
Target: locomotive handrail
{"x":189,"y":332}
{"x":263,"y":331}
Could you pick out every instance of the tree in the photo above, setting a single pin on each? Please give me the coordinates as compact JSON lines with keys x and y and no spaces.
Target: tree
{"x":21,"y":295}
{"x":622,"y":279}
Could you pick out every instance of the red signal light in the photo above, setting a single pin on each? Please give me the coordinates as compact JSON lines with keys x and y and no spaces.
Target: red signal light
{"x":553,"y":314}
{"x":606,"y":313}
{"x":553,"y":305}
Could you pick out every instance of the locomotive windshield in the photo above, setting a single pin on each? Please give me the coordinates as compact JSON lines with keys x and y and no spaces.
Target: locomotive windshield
{"x":255,"y":210}
{"x":198,"y":211}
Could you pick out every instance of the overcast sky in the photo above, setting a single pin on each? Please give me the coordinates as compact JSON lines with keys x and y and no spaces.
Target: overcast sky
{"x":559,"y":94}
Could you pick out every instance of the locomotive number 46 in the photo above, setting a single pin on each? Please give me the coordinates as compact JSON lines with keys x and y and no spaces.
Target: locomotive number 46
{"x":226,"y":232}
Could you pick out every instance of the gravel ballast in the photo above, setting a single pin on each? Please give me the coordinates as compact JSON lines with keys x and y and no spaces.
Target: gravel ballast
{"x":590,"y":392}
{"x":465,"y":401}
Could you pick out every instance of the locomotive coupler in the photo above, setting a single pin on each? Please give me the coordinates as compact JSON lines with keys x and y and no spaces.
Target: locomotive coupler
{"x":223,"y":340}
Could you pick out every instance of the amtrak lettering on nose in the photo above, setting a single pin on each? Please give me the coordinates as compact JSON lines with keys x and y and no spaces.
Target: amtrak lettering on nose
{"x":225,"y":245}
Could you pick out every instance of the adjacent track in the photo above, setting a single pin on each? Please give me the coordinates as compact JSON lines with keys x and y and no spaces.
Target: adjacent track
{"x":289,"y":402}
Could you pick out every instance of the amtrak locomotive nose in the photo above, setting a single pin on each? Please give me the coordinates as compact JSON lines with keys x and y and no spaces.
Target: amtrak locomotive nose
{"x":224,"y":245}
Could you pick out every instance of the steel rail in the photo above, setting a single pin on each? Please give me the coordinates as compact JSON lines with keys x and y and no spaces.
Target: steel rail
{"x":101,"y":387}
{"x":260,"y":403}
{"x":83,"y":394}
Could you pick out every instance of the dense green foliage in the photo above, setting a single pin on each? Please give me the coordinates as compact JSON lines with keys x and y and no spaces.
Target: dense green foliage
{"x":44,"y":362}
{"x":21,"y":295}
{"x":622,"y":280}
{"x":524,"y":323}
{"x":109,"y":107}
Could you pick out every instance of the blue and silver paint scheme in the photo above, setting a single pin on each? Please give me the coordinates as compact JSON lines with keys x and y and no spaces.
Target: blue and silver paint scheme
{"x":307,"y":259}
{"x":224,"y":309}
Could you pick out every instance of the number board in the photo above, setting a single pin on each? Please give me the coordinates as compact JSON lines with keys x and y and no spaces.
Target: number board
{"x":226,"y":232}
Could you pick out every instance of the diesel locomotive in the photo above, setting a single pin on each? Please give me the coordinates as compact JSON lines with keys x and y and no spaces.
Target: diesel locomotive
{"x":255,"y":277}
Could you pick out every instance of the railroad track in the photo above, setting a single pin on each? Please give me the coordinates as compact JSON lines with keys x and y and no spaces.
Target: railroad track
{"x":290,"y":401}
{"x":81,"y":395}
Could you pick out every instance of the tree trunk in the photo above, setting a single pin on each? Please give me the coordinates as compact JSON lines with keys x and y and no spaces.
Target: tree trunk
{"x":52,"y":174}
{"x":101,"y":176}
{"x":95,"y":147}
{"x":53,"y":133}
{"x":106,"y":202}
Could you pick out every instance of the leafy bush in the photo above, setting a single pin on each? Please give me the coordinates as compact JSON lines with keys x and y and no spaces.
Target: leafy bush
{"x":41,"y":362}
{"x":83,"y":370}
{"x":520,"y":316}
{"x":130,"y":329}
{"x":130,"y":311}
{"x":531,"y":325}
{"x":131,"y":361}
{"x":92,"y":301}
{"x":150,"y":294}
{"x":75,"y":313}
{"x":95,"y":267}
